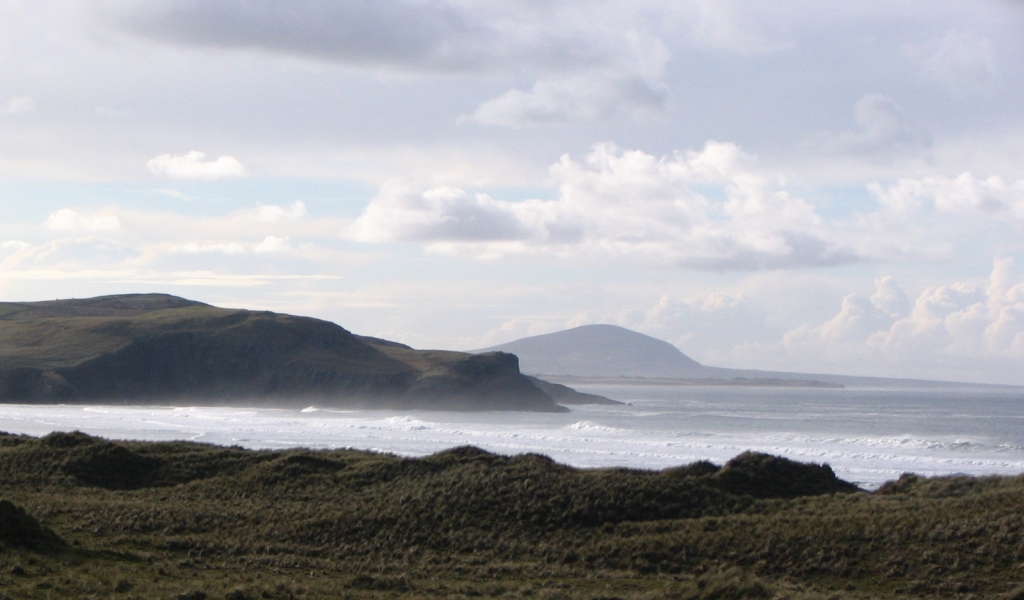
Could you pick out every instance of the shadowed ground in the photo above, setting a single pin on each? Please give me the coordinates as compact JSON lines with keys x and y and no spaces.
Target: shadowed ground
{"x":166,"y":520}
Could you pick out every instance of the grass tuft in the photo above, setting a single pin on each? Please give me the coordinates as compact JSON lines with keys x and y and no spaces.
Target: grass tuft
{"x":88,"y":517}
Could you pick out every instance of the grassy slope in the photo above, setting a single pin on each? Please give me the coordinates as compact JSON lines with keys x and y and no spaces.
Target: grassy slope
{"x":158,"y":520}
{"x":157,"y":347}
{"x":45,"y":338}
{"x":430,"y":362}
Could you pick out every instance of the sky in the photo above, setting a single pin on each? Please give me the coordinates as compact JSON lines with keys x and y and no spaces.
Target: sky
{"x":812,"y":186}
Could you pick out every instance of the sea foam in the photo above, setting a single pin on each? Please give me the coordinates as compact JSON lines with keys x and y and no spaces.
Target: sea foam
{"x":867,"y":436}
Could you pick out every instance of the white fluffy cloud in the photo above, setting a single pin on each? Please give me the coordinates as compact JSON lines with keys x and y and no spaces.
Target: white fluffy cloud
{"x":66,"y":219}
{"x":960,"y":327}
{"x":624,"y":204}
{"x":991,"y":197}
{"x":195,"y":166}
{"x":272,"y":243}
{"x":271,"y":213}
{"x":402,"y":213}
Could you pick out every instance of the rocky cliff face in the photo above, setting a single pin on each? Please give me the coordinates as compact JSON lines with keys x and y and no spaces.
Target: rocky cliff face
{"x":481,"y":382}
{"x":154,"y":348}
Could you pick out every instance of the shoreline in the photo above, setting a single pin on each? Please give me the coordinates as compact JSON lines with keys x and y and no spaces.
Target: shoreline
{"x":695,"y":382}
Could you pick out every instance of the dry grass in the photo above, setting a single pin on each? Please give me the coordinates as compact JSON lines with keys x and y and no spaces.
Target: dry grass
{"x":152,"y":520}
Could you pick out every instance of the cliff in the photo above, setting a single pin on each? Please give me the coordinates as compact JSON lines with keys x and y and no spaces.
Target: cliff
{"x":148,"y":348}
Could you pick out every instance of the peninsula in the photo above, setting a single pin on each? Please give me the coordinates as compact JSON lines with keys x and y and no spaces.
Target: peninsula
{"x":156,"y":348}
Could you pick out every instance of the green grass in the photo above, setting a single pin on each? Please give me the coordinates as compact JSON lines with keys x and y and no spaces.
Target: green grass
{"x":159,"y":520}
{"x":145,"y":348}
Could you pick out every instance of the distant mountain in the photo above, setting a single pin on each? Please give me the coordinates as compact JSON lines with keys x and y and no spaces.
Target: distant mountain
{"x":154,"y":348}
{"x":599,"y":351}
{"x":603,"y":351}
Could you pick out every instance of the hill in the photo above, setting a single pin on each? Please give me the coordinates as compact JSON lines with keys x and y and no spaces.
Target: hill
{"x":88,"y":517}
{"x":595,"y":353}
{"x":147,"y":348}
{"x":599,"y":351}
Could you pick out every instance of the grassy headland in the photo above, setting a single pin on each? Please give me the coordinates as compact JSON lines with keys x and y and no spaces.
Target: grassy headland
{"x":158,"y":348}
{"x":87,"y":517}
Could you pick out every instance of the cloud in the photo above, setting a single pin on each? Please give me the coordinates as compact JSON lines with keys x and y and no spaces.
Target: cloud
{"x":962,"y":61}
{"x":14,"y":245}
{"x":966,"y":195}
{"x":269,"y":244}
{"x":961,"y":327}
{"x":195,"y":166}
{"x":429,"y":34}
{"x":402,"y":213}
{"x":272,"y":213}
{"x":572,"y":99}
{"x":272,"y":243}
{"x":435,"y":35}
{"x":701,"y":324}
{"x":727,"y":25}
{"x":587,"y":60}
{"x":85,"y":254}
{"x":19,"y":104}
{"x":889,"y":298}
{"x":625,"y":204}
{"x":66,"y":219}
{"x":627,"y":85}
{"x":222,"y":248}
{"x":442,"y":35}
{"x":886,"y":132}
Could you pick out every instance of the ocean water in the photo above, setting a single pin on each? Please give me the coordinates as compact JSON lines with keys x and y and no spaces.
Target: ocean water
{"x":868,"y":436}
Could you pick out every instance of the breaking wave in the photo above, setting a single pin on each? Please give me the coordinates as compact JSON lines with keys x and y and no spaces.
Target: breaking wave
{"x":866,"y":437}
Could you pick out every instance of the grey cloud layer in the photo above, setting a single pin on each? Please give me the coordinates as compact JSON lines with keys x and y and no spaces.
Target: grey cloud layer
{"x":434,"y":35}
{"x":655,"y":74}
{"x":611,"y":57}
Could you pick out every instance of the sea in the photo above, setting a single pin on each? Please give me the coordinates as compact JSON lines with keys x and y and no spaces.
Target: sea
{"x":867,"y":435}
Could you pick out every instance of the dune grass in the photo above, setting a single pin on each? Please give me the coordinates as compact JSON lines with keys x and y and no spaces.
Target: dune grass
{"x":87,"y":517}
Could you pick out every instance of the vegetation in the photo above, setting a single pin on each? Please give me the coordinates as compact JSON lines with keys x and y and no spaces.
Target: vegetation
{"x":159,"y":348}
{"x":86,"y":517}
